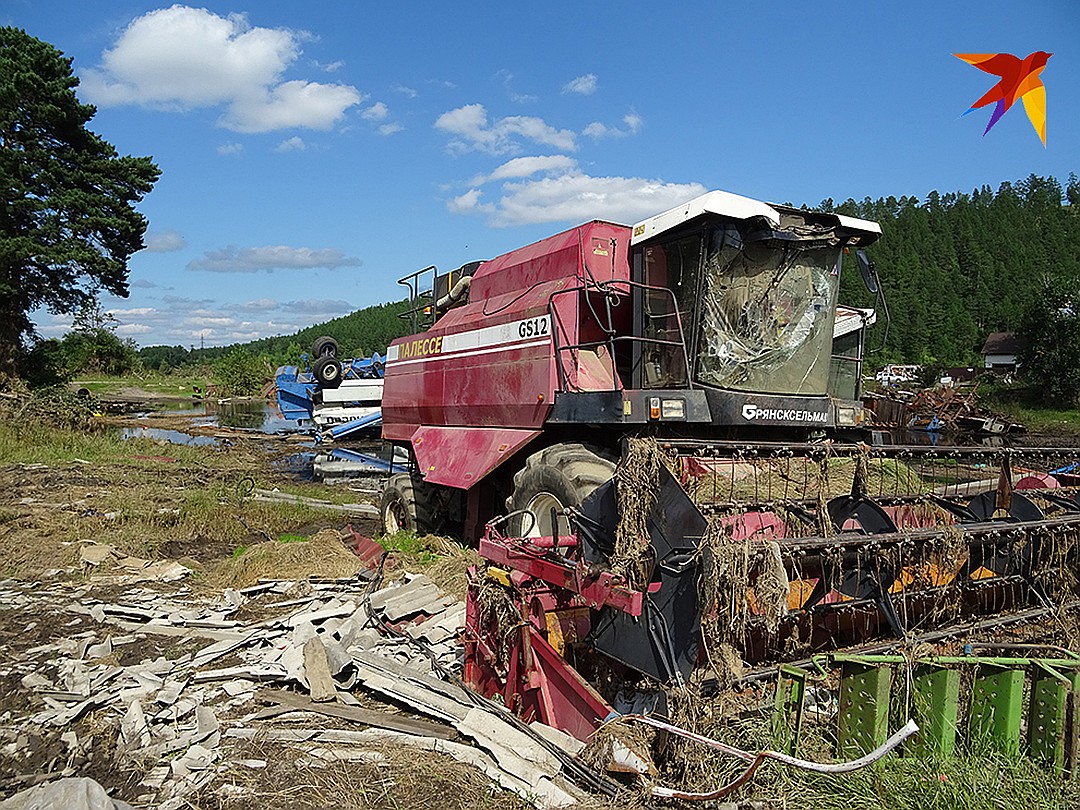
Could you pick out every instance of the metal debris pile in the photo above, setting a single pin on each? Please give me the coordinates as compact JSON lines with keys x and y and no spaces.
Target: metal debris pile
{"x":184,"y":681}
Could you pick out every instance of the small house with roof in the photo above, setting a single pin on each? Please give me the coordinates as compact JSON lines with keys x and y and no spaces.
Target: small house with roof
{"x":1001,"y":351}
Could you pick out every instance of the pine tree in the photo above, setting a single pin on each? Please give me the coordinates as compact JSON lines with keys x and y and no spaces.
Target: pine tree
{"x":67,"y":223}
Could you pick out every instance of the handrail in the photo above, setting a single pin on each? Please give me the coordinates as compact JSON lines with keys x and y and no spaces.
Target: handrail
{"x":607,"y":289}
{"x":411,"y":282}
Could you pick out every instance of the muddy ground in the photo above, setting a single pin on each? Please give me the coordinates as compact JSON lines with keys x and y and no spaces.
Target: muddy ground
{"x":91,"y":524}
{"x":88,"y":521}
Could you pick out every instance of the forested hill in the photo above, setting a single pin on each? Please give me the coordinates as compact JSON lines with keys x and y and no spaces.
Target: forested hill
{"x":359,"y":333}
{"x":955,"y":267}
{"x":958,"y":266}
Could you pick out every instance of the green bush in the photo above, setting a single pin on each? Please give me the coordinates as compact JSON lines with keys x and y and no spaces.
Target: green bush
{"x":239,"y":374}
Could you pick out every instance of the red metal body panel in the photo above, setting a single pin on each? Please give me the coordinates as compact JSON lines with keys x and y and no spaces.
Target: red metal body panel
{"x":528,"y":561}
{"x":565,"y":254}
{"x":459,"y":457}
{"x":473,"y":378}
{"x":491,"y":363}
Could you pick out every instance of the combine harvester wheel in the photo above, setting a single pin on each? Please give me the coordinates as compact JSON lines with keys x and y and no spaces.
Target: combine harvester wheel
{"x":552,"y":480}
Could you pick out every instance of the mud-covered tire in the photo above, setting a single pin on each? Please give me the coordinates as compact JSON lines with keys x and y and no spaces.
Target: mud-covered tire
{"x":328,"y":372}
{"x":324,"y":346}
{"x":408,"y":504}
{"x":559,"y":476}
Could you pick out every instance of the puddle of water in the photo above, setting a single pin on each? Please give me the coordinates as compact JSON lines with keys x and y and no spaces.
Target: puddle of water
{"x":298,"y":465}
{"x":366,"y":461}
{"x":161,"y":434}
{"x":250,"y":415}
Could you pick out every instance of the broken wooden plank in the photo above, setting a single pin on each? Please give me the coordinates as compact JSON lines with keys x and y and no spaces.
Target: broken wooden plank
{"x":357,"y":714}
{"x":364,"y":509}
{"x":321,"y":684}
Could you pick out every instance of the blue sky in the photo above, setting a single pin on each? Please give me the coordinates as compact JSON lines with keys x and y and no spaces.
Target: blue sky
{"x":314,"y":153}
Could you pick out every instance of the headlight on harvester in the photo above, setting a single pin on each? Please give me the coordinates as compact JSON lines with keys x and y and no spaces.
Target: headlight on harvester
{"x":672,"y":409}
{"x":847,"y":417}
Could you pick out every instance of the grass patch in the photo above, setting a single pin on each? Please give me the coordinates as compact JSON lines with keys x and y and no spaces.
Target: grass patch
{"x":443,"y":560}
{"x":1022,"y":404}
{"x":409,"y":544}
{"x":334,"y":493}
{"x":965,"y":782}
{"x":324,"y":555}
{"x":137,"y":496}
{"x":179,"y":385}
{"x":293,"y":538}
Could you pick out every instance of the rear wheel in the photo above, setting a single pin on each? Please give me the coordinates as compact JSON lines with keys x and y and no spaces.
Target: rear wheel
{"x":408,"y":504}
{"x":327,"y":372}
{"x":553,"y":479}
{"x":324,"y":347}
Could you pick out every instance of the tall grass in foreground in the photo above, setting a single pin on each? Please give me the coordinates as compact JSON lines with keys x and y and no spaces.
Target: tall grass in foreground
{"x":964,"y":782}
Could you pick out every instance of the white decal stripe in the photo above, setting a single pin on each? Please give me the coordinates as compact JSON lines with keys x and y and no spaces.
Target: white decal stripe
{"x":444,"y":356}
{"x":487,"y":336}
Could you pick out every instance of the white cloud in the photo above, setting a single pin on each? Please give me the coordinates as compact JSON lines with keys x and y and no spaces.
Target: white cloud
{"x":183,"y":58}
{"x":333,"y":67}
{"x":465,"y":203}
{"x":259,"y":305}
{"x":143,"y":283}
{"x":293,"y":144}
{"x":405,"y":91}
{"x":232,"y":259}
{"x":516,"y":97}
{"x":528,"y":166}
{"x":582,"y":85}
{"x":164,"y":242}
{"x":230,"y":149}
{"x":203,"y":321}
{"x":578,"y":197}
{"x":473,"y":132}
{"x":133,"y":329}
{"x":376,"y":112}
{"x":179,"y":302}
{"x":132,"y":312}
{"x":292,"y":104}
{"x":632,"y":120}
{"x":390,"y":129}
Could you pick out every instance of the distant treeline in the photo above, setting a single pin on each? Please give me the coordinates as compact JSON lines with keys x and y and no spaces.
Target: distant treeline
{"x":955,"y":267}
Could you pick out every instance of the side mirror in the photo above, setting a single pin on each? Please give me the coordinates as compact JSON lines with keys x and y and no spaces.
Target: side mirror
{"x":866,"y":268}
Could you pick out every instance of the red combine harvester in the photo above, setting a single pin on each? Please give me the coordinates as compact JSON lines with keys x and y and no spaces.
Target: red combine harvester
{"x":712,"y":320}
{"x":644,"y":429}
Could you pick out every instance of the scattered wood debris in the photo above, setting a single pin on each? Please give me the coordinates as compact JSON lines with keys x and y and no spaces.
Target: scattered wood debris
{"x":315,"y":642}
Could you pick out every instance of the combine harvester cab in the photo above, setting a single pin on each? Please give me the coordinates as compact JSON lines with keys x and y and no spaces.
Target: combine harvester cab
{"x":654,"y":434}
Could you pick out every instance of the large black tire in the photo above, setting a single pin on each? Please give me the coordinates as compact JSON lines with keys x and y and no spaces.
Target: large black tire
{"x":328,"y":372}
{"x":408,"y":504}
{"x":558,"y":477}
{"x":324,"y":346}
